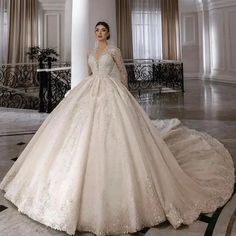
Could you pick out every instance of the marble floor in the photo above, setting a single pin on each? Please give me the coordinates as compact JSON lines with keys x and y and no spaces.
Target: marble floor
{"x":205,"y":106}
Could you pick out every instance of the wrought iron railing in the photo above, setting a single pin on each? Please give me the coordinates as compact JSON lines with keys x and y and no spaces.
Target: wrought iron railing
{"x":148,"y":74}
{"x":54,"y":83}
{"x":13,"y":98}
{"x":19,"y":86}
{"x":22,"y":86}
{"x":20,"y":75}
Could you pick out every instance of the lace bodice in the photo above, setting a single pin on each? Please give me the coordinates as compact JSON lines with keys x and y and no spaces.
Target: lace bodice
{"x":109,"y":63}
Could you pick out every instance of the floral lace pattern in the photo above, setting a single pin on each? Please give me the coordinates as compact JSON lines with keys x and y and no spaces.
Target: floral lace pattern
{"x":99,"y":164}
{"x":115,"y":67}
{"x":116,"y":54}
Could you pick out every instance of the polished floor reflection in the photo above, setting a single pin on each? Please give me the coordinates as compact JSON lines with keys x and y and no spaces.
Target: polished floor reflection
{"x":205,"y":106}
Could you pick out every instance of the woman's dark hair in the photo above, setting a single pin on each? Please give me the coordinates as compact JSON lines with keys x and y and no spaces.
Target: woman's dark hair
{"x":106,"y":26}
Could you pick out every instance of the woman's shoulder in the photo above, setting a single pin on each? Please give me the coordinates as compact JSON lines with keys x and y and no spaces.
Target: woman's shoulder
{"x":113,"y":49}
{"x":110,"y":48}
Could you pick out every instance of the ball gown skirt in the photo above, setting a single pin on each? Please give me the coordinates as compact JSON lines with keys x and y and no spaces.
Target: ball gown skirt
{"x":99,"y":164}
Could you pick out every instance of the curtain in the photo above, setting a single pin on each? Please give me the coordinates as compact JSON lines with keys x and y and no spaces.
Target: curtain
{"x":23,"y":29}
{"x":3,"y":31}
{"x":146,"y":29}
{"x":124,"y":27}
{"x":170,"y":29}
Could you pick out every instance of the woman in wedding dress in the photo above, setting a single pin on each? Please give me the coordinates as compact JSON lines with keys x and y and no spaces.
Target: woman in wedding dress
{"x":99,"y":164}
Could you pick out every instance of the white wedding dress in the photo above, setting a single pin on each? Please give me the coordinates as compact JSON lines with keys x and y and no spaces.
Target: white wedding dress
{"x":99,"y":164}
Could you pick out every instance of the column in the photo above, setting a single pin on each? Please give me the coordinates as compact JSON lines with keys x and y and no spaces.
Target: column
{"x":80,"y":40}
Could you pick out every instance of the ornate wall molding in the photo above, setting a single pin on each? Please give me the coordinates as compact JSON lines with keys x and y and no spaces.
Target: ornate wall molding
{"x":230,"y":39}
{"x":217,"y":41}
{"x":189,"y":28}
{"x":52,"y":25}
{"x":217,"y":19}
{"x":52,"y":5}
{"x":206,"y":5}
{"x":220,"y":3}
{"x":52,"y":20}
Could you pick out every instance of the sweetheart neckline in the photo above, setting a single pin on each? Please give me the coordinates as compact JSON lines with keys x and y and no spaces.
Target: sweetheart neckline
{"x":103,"y":52}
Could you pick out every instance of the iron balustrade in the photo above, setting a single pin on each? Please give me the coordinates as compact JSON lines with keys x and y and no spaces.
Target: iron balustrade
{"x":25,"y":86}
{"x":12,"y":98}
{"x":149,"y":74}
{"x":19,"y":75}
{"x":19,"y":86}
{"x":54,"y":83}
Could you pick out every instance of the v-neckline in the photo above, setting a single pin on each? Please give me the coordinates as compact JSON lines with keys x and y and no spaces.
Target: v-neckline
{"x":103,"y":51}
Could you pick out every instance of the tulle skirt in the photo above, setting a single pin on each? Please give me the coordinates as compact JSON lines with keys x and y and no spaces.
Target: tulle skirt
{"x":99,"y":164}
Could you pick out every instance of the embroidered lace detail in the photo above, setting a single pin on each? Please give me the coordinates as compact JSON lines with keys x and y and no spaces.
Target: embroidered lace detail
{"x":116,"y":54}
{"x":105,"y":65}
{"x":89,"y":68}
{"x":98,"y":163}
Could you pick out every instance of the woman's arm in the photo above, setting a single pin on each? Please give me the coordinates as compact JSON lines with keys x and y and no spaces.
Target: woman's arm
{"x":89,"y":69}
{"x":116,"y":54}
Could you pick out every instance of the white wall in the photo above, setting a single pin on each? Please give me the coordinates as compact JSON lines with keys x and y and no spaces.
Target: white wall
{"x":55,"y":26}
{"x":208,"y":33}
{"x":68,"y":30}
{"x":208,"y":39}
{"x":102,"y":10}
{"x":189,"y":38}
{"x":222,"y":31}
{"x":188,"y":5}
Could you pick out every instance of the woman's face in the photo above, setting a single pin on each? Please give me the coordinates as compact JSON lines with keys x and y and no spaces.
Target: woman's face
{"x":101,"y":33}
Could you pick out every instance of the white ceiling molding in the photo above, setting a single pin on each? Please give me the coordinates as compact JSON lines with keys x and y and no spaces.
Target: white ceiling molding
{"x":220,"y":3}
{"x":202,"y":5}
{"x":206,"y":5}
{"x":53,"y":5}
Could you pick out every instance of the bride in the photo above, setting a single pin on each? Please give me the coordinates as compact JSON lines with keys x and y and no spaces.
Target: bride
{"x":99,"y":164}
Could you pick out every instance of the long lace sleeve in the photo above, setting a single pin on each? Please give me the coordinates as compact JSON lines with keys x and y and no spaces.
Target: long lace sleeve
{"x":116,"y":54}
{"x":89,"y":69}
